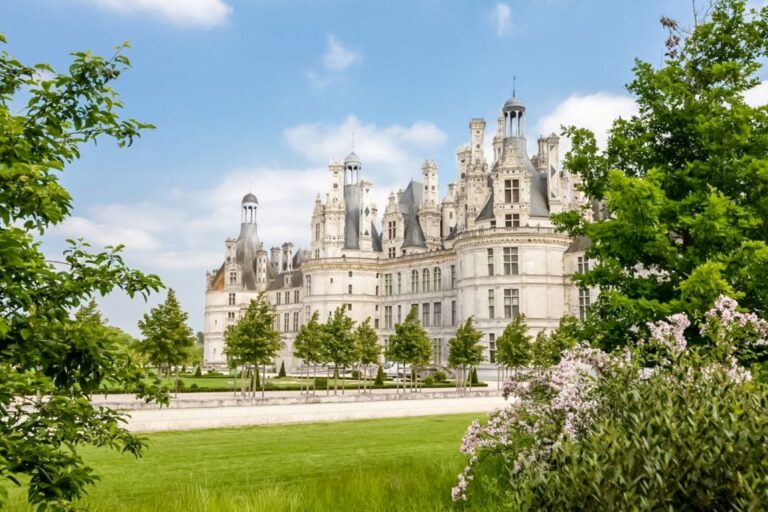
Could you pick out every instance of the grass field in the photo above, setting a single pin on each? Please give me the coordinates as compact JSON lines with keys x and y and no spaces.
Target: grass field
{"x":390,"y":465}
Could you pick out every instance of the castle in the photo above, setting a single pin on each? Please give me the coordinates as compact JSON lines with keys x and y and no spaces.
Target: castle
{"x":488,"y":250}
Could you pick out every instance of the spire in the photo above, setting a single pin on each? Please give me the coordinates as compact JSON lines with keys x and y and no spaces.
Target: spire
{"x":514,"y":86}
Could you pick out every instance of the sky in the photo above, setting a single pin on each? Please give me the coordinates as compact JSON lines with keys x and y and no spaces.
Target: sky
{"x":259,"y":95}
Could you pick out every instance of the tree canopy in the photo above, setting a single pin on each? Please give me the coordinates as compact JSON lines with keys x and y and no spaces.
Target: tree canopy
{"x":683,"y":183}
{"x":513,"y":347}
{"x":50,"y":361}
{"x":168,"y":340}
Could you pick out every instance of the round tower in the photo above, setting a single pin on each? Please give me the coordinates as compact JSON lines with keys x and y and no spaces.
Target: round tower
{"x":249,"y":206}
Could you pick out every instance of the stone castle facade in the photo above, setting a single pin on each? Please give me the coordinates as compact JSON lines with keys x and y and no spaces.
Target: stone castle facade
{"x":488,"y":249}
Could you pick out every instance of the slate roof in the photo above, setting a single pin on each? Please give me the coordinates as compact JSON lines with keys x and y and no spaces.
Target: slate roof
{"x":246,"y":247}
{"x":579,"y":244}
{"x":408,"y":203}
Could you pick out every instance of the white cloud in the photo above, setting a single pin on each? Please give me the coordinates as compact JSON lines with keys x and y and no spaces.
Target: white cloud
{"x":101,"y":234}
{"x":502,"y":18}
{"x":200,"y":13}
{"x":758,"y":95}
{"x":594,"y":111}
{"x":337,"y":57}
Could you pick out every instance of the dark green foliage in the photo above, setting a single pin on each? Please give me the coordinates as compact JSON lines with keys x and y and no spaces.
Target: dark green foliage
{"x":439,"y":376}
{"x":473,"y":377}
{"x":379,"y":376}
{"x":410,"y":344}
{"x":429,"y":381}
{"x":179,"y":384}
{"x":355,"y":374}
{"x":198,"y":372}
{"x":683,"y":182}
{"x":281,"y":373}
{"x":321,"y":383}
{"x":681,"y":445}
{"x":193,"y":387}
{"x":50,"y":362}
{"x":514,"y":345}
{"x":168,"y":340}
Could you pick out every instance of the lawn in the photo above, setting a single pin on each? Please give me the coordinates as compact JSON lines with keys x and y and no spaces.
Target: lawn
{"x":387,"y":465}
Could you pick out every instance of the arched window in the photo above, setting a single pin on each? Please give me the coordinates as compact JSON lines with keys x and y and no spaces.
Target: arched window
{"x":308,"y":284}
{"x":425,"y":279}
{"x":414,"y":281}
{"x":438,"y":277}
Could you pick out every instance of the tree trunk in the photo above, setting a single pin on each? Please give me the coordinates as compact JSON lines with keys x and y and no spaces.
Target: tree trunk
{"x":327,"y":380}
{"x":263,"y":380}
{"x":314,"y":378}
{"x":343,"y":378}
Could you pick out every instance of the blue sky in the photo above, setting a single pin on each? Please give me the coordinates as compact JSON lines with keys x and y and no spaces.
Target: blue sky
{"x":261,"y":94}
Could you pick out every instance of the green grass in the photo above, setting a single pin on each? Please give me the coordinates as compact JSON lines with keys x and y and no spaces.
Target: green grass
{"x":405,"y":464}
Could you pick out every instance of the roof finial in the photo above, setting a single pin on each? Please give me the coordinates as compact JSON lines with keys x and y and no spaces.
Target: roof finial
{"x":514,"y":86}
{"x":353,"y":140}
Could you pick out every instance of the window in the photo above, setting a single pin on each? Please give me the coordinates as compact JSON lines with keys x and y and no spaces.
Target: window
{"x":399,"y":313}
{"x":399,"y":283}
{"x":491,"y":305}
{"x":414,"y":281}
{"x":511,"y":302}
{"x":507,"y":191}
{"x":231,"y":315}
{"x":508,"y":220}
{"x":377,"y":289}
{"x":317,"y":254}
{"x":287,"y":297}
{"x":392,"y":229}
{"x":296,"y":321}
{"x":490,"y":262}
{"x":510,"y":261}
{"x":425,"y":314}
{"x":391,"y":252}
{"x":308,"y":284}
{"x":425,"y":280}
{"x":349,"y":307}
{"x":233,"y":277}
{"x":317,"y":232}
{"x":286,"y":322}
{"x":349,"y":289}
{"x":437,"y":314}
{"x":387,"y":284}
{"x":582,"y":265}
{"x":376,"y":323}
{"x":453,"y":276}
{"x":307,"y":314}
{"x":511,"y":191}
{"x":515,"y":220}
{"x":232,"y":299}
{"x":492,"y":348}
{"x":295,"y":296}
{"x":584,"y":302}
{"x":387,"y":317}
{"x":515,"y":191}
{"x":453,"y":312}
{"x":438,"y":279}
{"x":278,"y":296}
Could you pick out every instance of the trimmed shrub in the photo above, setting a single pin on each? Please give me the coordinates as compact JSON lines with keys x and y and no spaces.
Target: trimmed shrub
{"x":439,"y":376}
{"x":193,"y":387}
{"x":321,"y":383}
{"x":198,"y":372}
{"x":429,"y":381}
{"x":355,"y":374}
{"x":179,"y":385}
{"x":379,"y":377}
{"x":281,"y":373}
{"x":473,"y":377}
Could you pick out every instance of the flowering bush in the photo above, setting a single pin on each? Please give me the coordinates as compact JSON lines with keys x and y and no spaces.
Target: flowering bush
{"x":664,"y":425}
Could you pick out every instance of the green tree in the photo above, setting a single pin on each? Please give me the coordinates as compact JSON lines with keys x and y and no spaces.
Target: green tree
{"x":682,"y":182}
{"x":465,"y":352}
{"x":368,"y":349}
{"x":409,"y":345}
{"x":254,"y":341}
{"x":308,"y":345}
{"x":513,"y":347}
{"x":168,"y":340}
{"x":339,"y":345}
{"x":51,"y":362}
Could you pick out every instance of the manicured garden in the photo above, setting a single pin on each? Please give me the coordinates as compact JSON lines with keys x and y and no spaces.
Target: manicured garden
{"x":393,"y":464}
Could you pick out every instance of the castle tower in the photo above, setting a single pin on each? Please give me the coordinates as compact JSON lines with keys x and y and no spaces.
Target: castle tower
{"x":555,"y":185}
{"x":274,"y":259}
{"x":477,"y":138}
{"x":287,"y":256}
{"x":429,"y":212}
{"x":249,"y":206}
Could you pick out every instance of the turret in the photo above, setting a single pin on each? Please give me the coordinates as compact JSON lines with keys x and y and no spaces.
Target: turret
{"x":274,"y":258}
{"x":287,"y":256}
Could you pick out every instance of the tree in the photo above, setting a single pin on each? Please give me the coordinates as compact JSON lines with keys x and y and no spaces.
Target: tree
{"x":465,"y":351}
{"x":410,"y":344}
{"x":513,"y":347}
{"x":281,"y":373}
{"x":308,"y":345}
{"x":367,"y":348}
{"x":339,"y":345}
{"x":682,"y":182}
{"x":167,"y":337}
{"x":253,"y":340}
{"x":50,"y":362}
